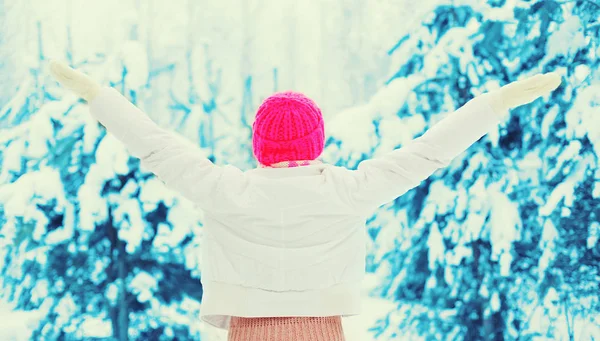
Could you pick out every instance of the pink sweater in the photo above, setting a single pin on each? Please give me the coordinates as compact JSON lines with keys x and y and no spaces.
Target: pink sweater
{"x":286,"y":329}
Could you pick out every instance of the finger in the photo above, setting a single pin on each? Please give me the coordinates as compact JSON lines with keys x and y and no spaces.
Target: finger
{"x":553,"y":80}
{"x":530,"y":82}
{"x":59,"y":69}
{"x":62,"y":72}
{"x":549,"y":80}
{"x":547,"y":83}
{"x":535,"y":86}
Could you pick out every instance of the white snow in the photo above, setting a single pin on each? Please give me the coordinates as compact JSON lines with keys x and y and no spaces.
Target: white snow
{"x":143,"y":285}
{"x":564,"y":191}
{"x":359,"y":136}
{"x":495,"y":302}
{"x":570,"y":30}
{"x":593,"y":234}
{"x":548,"y":120}
{"x":16,"y":325}
{"x":547,"y":245}
{"x":97,"y":327}
{"x":130,"y":223}
{"x":505,"y":222}
{"x":583,"y":118}
{"x":135,"y":60}
{"x":112,"y":293}
{"x":435,"y":246}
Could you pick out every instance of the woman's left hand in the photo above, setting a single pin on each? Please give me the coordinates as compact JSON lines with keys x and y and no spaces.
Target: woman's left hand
{"x":76,"y":81}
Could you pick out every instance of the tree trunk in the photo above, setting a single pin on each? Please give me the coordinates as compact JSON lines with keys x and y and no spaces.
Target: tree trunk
{"x":123,"y":309}
{"x":119,"y":313}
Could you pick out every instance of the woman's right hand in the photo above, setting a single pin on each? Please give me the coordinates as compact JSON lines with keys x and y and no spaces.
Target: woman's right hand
{"x":76,"y":81}
{"x":522,"y":92}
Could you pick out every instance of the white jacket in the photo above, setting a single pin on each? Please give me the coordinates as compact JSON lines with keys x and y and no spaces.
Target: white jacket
{"x":286,"y":241}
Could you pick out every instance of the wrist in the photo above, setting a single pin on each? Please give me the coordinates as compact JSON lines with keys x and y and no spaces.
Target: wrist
{"x":496,"y":101}
{"x":91,"y":92}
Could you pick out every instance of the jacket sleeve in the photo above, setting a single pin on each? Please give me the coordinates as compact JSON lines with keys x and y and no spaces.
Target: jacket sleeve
{"x":381,"y":180}
{"x":174,"y":160}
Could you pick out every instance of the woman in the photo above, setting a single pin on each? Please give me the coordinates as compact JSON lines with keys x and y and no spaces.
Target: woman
{"x":284,"y":244}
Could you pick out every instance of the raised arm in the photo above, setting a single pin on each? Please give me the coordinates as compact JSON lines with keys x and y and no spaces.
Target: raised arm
{"x":380,"y":180}
{"x":174,"y":160}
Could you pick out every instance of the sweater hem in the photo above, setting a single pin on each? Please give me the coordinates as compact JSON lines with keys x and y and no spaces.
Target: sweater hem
{"x":221,"y":301}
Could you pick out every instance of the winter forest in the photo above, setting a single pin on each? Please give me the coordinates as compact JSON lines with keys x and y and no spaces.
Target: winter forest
{"x":501,"y":245}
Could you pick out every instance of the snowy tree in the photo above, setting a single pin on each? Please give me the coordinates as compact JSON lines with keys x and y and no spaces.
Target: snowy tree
{"x":503,"y":243}
{"x":97,"y":242}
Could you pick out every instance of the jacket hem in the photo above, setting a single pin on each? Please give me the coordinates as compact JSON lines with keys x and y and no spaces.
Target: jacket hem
{"x":221,"y":301}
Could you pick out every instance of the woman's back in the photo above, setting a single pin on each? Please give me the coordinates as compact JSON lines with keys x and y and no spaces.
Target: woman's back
{"x":283,"y":238}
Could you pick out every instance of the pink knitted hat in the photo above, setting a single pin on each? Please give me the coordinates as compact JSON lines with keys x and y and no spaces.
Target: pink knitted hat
{"x":288,"y":127}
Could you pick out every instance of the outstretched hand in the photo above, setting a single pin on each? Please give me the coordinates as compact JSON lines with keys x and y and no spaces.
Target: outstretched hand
{"x":76,"y":81}
{"x":523,"y":91}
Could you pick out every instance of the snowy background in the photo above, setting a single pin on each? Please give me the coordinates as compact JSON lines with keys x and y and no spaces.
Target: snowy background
{"x":501,"y":245}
